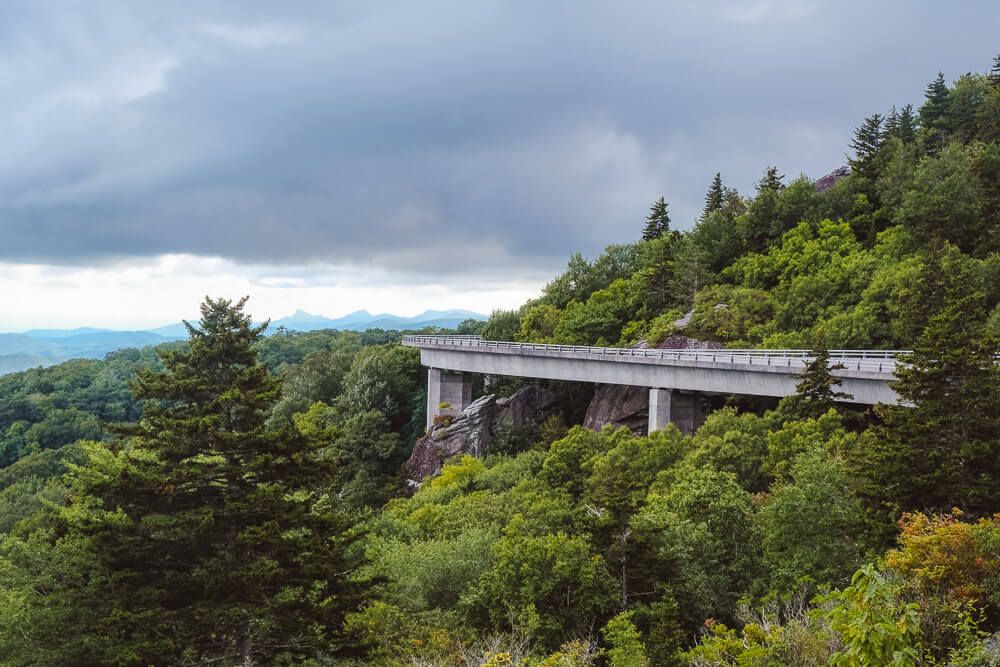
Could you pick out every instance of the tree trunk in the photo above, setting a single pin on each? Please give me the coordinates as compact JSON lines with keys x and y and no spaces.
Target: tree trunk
{"x":624,"y":561}
{"x":244,"y":646}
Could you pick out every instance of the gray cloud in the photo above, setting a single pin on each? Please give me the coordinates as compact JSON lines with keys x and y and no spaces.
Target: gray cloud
{"x":430,"y":137}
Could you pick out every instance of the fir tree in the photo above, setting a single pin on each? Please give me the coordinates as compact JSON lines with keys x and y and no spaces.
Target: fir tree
{"x":935,"y":106}
{"x":934,"y":113}
{"x":658,"y":273}
{"x":772,"y":181}
{"x":715,"y":197}
{"x":219,"y":539}
{"x":815,"y":394}
{"x":658,"y":220}
{"x":941,"y":447}
{"x":907,"y":129}
{"x":930,"y":295}
{"x":891,"y":126}
{"x":691,"y":271}
{"x":866,"y":144}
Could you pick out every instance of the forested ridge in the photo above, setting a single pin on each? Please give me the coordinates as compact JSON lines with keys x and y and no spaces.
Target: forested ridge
{"x":241,"y":498}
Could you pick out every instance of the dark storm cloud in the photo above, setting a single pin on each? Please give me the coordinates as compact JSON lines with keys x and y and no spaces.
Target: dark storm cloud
{"x":430,"y":136}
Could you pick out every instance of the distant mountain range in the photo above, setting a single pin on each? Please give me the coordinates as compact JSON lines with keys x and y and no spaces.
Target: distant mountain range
{"x":44,"y":347}
{"x":362,"y":319}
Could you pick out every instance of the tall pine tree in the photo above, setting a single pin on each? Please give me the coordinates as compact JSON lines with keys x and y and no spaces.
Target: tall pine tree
{"x":907,"y":130}
{"x":866,"y":144}
{"x":658,"y":220}
{"x":935,"y":105}
{"x":715,"y":197}
{"x":942,"y":449}
{"x":772,"y":181}
{"x":815,"y":393}
{"x":218,"y":540}
{"x":891,"y":126}
{"x":762,"y":224}
{"x":934,"y":114}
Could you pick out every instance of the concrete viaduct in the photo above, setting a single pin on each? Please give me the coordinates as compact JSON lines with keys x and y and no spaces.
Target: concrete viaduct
{"x":675,"y":378}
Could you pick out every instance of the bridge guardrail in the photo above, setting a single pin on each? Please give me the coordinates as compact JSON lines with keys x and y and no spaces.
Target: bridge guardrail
{"x":879,"y":361}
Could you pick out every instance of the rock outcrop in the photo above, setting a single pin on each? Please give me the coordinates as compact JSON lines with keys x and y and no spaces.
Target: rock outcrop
{"x":828,"y":181}
{"x":472,"y":431}
{"x":618,"y":405}
{"x":629,"y":406}
{"x":677,"y":342}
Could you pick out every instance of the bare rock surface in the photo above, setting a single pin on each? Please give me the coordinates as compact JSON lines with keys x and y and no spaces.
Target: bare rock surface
{"x":472,"y":431}
{"x":629,"y":406}
{"x":828,"y":181}
{"x":618,"y":405}
{"x":677,"y":342}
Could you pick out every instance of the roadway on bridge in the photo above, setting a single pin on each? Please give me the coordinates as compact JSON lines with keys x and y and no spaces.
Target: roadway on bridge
{"x":865,"y":374}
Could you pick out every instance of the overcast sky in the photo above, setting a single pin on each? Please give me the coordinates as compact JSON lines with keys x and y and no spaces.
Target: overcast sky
{"x":398,"y":156}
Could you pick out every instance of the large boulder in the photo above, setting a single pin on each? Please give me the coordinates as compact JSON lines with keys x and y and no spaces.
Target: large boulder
{"x":619,"y":405}
{"x":472,"y":431}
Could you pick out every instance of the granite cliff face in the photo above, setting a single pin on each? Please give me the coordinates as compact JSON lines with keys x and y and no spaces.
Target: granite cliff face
{"x":618,"y":405}
{"x":629,"y":406}
{"x":472,"y":431}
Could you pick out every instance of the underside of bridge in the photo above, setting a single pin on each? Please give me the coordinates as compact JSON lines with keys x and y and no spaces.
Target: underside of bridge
{"x":450,"y":392}
{"x":678,"y":380}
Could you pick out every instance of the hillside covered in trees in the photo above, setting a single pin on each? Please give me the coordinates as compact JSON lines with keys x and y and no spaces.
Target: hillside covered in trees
{"x":240,"y":499}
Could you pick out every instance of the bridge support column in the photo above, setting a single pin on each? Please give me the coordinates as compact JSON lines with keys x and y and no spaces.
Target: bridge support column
{"x":447,"y":393}
{"x":670,"y":405}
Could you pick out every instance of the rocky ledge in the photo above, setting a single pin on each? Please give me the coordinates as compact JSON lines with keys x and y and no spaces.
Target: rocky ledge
{"x":472,"y":431}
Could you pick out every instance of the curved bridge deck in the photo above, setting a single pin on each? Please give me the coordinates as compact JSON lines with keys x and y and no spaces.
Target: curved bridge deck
{"x":865,"y":374}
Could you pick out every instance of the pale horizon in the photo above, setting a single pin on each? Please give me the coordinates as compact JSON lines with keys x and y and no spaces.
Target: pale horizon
{"x":27,"y":292}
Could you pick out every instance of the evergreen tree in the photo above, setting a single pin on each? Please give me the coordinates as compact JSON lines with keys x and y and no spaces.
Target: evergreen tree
{"x":891,"y":126}
{"x":930,"y":295}
{"x":718,"y":240}
{"x":658,"y":220}
{"x":657,"y":274}
{"x":866,"y":144}
{"x":989,"y":115}
{"x":934,"y":114}
{"x":907,"y":130}
{"x":218,"y":539}
{"x":691,"y":271}
{"x":772,"y":181}
{"x":715,"y":197}
{"x":935,"y":105}
{"x":815,"y":394}
{"x":941,"y":447}
{"x":763,"y":222}
{"x":901,"y":124}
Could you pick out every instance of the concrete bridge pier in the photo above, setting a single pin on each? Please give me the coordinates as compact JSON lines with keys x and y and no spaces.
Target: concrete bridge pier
{"x":670,"y":405}
{"x":448,"y":393}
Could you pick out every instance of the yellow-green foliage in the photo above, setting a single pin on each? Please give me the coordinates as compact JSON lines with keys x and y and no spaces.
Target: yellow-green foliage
{"x":625,"y":643}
